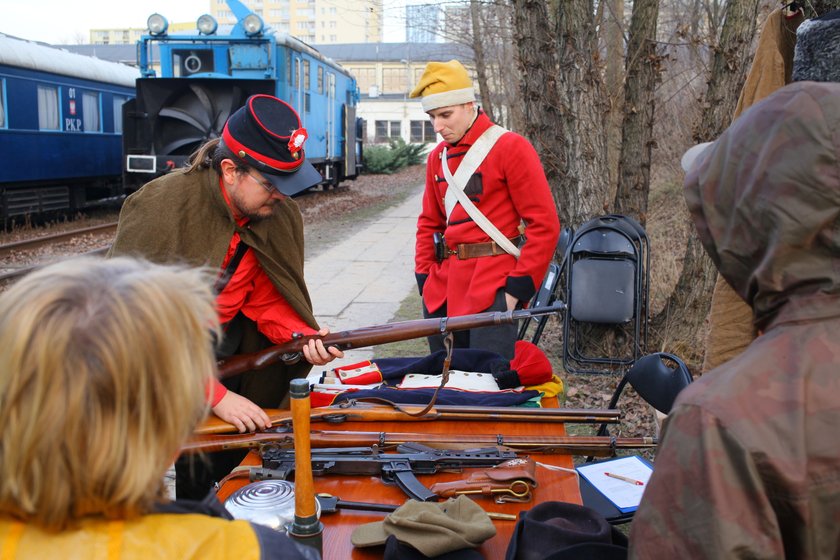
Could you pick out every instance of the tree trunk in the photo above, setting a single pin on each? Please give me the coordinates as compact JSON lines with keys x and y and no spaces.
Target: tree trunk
{"x":545,"y":115}
{"x":510,"y":104}
{"x":685,"y":312}
{"x":583,"y":186}
{"x":729,"y":68}
{"x":480,"y":66}
{"x":612,"y":24}
{"x":643,"y":70}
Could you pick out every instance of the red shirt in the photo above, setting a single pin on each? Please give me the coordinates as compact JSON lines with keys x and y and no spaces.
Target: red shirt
{"x":251,"y":292}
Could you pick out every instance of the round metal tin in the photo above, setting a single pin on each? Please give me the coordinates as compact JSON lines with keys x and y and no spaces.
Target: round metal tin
{"x":267,"y":502}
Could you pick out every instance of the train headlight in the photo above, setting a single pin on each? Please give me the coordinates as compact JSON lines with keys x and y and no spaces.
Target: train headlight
{"x":157,"y":24}
{"x":206,"y":24}
{"x":252,"y":24}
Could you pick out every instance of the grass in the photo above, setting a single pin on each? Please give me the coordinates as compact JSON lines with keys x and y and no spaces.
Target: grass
{"x":410,"y":309}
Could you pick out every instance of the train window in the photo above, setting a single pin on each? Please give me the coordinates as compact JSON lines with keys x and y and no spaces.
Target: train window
{"x":320,"y":79}
{"x":90,"y":112}
{"x":289,"y":66}
{"x":306,"y":106}
{"x":48,"y":108}
{"x":306,"y":74}
{"x":2,"y":103}
{"x":118,"y":123}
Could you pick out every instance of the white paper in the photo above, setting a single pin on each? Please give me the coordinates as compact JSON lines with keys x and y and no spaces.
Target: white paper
{"x":463,"y":380}
{"x":625,"y":495}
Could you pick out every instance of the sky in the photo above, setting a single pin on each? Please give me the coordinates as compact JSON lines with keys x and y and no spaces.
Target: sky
{"x":65,"y":21}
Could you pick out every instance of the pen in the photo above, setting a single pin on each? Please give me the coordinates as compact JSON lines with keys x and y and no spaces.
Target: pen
{"x":625,"y":479}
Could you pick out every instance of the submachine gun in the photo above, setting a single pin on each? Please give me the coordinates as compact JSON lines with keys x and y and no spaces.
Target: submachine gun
{"x":398,"y":468}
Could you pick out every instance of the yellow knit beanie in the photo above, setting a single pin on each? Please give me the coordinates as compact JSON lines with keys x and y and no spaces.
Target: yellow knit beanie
{"x":443,"y":84}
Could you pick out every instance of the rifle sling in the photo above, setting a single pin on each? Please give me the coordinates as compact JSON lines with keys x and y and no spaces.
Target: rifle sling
{"x":449,"y":343}
{"x":227,"y":274}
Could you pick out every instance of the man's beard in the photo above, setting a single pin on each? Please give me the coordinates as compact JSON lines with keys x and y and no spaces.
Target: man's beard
{"x":256,"y":213}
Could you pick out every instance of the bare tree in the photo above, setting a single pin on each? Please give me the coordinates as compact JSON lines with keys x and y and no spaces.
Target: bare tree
{"x":485,"y":28}
{"x":583,"y":185}
{"x":478,"y":51}
{"x":643,"y":69}
{"x":544,"y":113}
{"x":692,"y":294}
{"x":611,"y":25}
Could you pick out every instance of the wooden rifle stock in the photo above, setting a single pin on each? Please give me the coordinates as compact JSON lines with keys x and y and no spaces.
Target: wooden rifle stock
{"x":574,"y":445}
{"x":290,"y":352}
{"x":355,"y":411}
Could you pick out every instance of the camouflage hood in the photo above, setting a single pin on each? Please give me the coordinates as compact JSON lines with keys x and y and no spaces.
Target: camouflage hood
{"x":765,"y":198}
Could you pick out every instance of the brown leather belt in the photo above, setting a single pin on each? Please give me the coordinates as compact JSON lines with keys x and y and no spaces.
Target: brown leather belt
{"x":474,"y":250}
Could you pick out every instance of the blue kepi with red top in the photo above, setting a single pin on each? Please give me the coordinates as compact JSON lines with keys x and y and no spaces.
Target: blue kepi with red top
{"x":266,"y":134}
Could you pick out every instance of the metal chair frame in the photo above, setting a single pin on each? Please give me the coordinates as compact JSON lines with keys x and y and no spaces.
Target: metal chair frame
{"x":611,"y":241}
{"x":548,"y":291}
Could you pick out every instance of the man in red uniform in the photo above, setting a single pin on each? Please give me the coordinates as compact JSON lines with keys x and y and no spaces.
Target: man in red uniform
{"x":472,"y":271}
{"x":231,"y":211}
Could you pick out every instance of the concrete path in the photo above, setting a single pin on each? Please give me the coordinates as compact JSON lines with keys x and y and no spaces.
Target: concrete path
{"x":362,"y":280}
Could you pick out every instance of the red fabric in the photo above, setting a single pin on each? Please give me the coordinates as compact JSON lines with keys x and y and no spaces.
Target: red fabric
{"x":318,"y":399}
{"x":514,"y":189}
{"x":531,"y":364}
{"x":217,"y":391}
{"x":367,"y":374}
{"x":251,"y":291}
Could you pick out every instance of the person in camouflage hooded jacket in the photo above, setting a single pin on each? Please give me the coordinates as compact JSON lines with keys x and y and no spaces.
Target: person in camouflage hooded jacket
{"x":749,"y":466}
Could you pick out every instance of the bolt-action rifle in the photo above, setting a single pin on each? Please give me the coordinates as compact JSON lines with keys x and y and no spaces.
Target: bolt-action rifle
{"x":399,"y":468}
{"x":601,"y":446}
{"x":291,"y":352}
{"x":356,"y":411}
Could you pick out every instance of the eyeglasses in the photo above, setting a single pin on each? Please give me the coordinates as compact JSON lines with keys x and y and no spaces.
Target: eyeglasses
{"x":264,"y":183}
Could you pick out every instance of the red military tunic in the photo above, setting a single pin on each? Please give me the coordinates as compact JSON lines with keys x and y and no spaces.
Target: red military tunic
{"x":508,"y":187}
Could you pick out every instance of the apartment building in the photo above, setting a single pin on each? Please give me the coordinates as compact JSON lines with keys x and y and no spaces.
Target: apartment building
{"x":315,"y":21}
{"x":311,"y":21}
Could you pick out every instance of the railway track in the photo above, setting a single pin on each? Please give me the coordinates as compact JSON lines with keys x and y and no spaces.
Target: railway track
{"x":8,"y":276}
{"x":30,"y":244}
{"x":13,"y":272}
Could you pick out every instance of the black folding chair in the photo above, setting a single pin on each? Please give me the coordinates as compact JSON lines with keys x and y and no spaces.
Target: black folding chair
{"x":607,"y":285}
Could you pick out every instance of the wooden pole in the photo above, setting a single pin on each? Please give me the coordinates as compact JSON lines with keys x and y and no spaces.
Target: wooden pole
{"x":306,"y":528}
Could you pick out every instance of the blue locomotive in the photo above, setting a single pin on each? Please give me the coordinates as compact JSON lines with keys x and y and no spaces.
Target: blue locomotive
{"x":206,"y":75}
{"x":60,"y":127}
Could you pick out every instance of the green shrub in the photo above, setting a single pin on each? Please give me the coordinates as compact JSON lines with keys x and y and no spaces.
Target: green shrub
{"x":379,"y":159}
{"x":390,"y":159}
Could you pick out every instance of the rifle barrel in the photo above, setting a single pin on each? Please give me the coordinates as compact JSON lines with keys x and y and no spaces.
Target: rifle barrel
{"x":379,"y":334}
{"x":573,"y":445}
{"x":365,"y":412}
